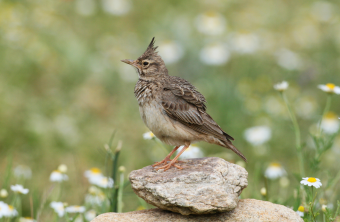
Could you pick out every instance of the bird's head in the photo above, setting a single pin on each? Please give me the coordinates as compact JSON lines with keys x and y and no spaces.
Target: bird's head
{"x":150,"y":65}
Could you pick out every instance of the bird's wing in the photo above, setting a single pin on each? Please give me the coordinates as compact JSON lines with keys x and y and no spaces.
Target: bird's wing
{"x":182,"y":102}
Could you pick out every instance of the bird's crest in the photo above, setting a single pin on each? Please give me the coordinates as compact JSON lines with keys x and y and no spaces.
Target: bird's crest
{"x":150,"y":51}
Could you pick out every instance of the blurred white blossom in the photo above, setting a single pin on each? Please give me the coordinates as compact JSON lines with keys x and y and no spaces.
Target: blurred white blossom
{"x":148,"y":135}
{"x":93,"y":172}
{"x":284,"y":182}
{"x":170,"y":51}
{"x":7,"y":210}
{"x":26,"y":219}
{"x":330,"y":123}
{"x":305,"y":107}
{"x":19,"y":189}
{"x":330,"y":88}
{"x":22,"y":171}
{"x":210,"y":23}
{"x":58,"y":207}
{"x":192,"y":152}
{"x":215,"y":54}
{"x":258,"y":135}
{"x":281,"y":86}
{"x":75,"y":209}
{"x":62,"y":168}
{"x":322,"y":10}
{"x":116,"y":7}
{"x":245,"y":43}
{"x":274,"y":171}
{"x":85,"y":7}
{"x":102,"y":181}
{"x":3,"y":193}
{"x":4,"y":209}
{"x":274,"y":106}
{"x":288,"y":59}
{"x":57,"y":176}
{"x":95,"y":196}
{"x":90,"y":215}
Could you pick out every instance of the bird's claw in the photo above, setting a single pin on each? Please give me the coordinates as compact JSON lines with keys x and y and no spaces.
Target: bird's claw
{"x":167,"y":166}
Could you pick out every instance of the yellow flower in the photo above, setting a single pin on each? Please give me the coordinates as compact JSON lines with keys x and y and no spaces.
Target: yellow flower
{"x":301,"y":211}
{"x":263,"y":191}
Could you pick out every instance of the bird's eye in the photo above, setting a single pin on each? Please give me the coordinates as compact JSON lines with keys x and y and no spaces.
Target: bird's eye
{"x":145,"y":63}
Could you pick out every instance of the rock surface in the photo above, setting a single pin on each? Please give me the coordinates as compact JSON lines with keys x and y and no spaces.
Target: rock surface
{"x":248,"y":210}
{"x":204,"y":186}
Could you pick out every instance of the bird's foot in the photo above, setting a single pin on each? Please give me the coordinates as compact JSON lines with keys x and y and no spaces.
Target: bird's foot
{"x":168,"y":165}
{"x":166,"y":159}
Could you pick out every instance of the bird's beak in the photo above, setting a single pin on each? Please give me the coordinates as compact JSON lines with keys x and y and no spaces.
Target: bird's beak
{"x":131,"y":62}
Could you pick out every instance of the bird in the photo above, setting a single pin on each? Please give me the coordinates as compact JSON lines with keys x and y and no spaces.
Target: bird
{"x":173,"y":109}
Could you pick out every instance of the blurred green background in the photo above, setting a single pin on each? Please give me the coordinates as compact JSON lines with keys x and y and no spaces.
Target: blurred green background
{"x":63,"y":89}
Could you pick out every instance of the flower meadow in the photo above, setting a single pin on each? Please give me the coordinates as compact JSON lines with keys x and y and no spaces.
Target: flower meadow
{"x":70,"y":127}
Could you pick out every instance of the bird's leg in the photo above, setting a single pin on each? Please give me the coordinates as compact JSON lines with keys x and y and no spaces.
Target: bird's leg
{"x":167,"y":158}
{"x":172,"y":163}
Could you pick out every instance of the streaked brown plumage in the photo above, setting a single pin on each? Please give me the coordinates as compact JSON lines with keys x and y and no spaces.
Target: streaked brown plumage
{"x":173,"y":109}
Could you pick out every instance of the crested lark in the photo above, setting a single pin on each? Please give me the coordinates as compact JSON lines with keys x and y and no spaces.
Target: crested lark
{"x":173,"y":109}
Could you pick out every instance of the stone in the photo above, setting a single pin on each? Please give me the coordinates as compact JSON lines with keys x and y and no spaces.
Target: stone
{"x":204,"y":186}
{"x":248,"y":210}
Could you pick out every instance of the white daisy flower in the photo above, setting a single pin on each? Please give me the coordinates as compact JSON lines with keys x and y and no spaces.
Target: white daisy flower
{"x":57,"y":176}
{"x":311,"y":181}
{"x":274,"y":170}
{"x":288,"y":59}
{"x":324,"y":208}
{"x":90,"y":215}
{"x":210,"y":23}
{"x":75,"y":209}
{"x":245,"y":43}
{"x":301,"y":211}
{"x":116,"y":7}
{"x":258,"y":135}
{"x":93,"y":172}
{"x":11,"y":212}
{"x":192,"y":152}
{"x":3,"y":193}
{"x":330,"y":88}
{"x":95,"y":200}
{"x":19,"y":189}
{"x":62,"y":168}
{"x":58,"y":207}
{"x":215,"y":54}
{"x":95,"y":196}
{"x":170,"y":51}
{"x":282,"y":86}
{"x":102,"y":181}
{"x":26,"y":219}
{"x":3,"y":209}
{"x":330,"y":123}
{"x":148,"y":136}
{"x":22,"y":171}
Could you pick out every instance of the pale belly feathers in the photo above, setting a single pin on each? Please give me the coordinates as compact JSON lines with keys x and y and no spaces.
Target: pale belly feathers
{"x":163,"y":127}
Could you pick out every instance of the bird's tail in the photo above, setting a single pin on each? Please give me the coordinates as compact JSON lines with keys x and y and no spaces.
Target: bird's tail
{"x":229,"y":145}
